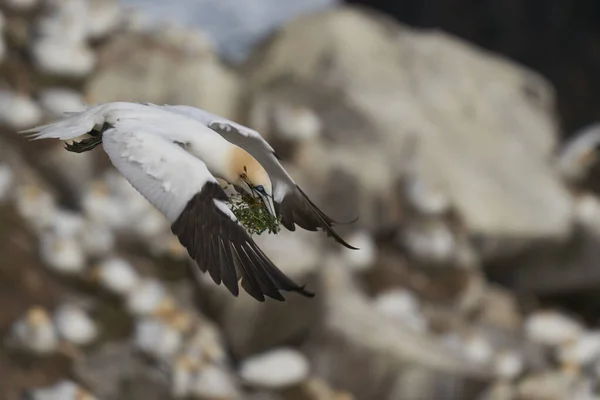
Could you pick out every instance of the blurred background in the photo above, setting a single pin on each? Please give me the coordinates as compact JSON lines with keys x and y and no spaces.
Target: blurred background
{"x":462,"y":133}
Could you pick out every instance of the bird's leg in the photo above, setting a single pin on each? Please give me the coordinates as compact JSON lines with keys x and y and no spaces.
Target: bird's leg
{"x":88,"y":144}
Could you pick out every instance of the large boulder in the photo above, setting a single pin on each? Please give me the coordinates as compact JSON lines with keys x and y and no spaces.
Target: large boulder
{"x":233,"y":26}
{"x":360,"y":349}
{"x":172,"y":66}
{"x":477,"y":127}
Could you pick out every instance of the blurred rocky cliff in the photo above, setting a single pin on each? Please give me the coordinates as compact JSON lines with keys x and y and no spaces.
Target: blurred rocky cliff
{"x":558,"y":38}
{"x":478,"y":234}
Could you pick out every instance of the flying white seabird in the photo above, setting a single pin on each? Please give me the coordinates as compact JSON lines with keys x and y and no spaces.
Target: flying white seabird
{"x":172,"y":155}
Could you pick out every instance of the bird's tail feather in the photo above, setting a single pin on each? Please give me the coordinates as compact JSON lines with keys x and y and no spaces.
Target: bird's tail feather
{"x":74,"y":124}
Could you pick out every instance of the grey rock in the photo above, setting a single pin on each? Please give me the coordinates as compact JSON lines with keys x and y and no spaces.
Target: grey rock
{"x":578,"y":154}
{"x":25,"y":172}
{"x":115,"y":372}
{"x":561,"y":269}
{"x":552,"y":385}
{"x":234,"y":26}
{"x":499,"y":309}
{"x":315,"y":389}
{"x":250,"y":327}
{"x":68,"y":172}
{"x":164,"y":74}
{"x":470,"y":114}
{"x":276,"y":369}
{"x":499,"y":391}
{"x":360,"y":350}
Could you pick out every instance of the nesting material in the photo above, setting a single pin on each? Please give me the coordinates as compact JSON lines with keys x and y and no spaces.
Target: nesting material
{"x":62,"y":390}
{"x":74,"y":325}
{"x":253,"y":215}
{"x":275,"y":369}
{"x":35,"y":332}
{"x":551,"y":328}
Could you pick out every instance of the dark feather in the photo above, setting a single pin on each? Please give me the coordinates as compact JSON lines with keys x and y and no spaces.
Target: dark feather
{"x":222,"y":247}
{"x":297,"y":209}
{"x":228,"y":269}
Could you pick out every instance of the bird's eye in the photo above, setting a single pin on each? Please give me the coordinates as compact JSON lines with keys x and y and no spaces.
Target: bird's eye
{"x":260,"y":188}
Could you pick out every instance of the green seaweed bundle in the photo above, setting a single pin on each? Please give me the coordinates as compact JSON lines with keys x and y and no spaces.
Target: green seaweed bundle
{"x":253,"y":214}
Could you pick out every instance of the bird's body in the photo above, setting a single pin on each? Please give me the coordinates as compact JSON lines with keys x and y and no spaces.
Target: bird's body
{"x":172,"y":155}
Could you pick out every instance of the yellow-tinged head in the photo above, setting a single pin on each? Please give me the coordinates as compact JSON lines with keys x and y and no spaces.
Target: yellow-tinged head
{"x":38,"y":316}
{"x":247,"y":173}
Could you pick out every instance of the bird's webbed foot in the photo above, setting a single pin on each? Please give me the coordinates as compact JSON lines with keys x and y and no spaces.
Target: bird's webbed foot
{"x":84,"y":145}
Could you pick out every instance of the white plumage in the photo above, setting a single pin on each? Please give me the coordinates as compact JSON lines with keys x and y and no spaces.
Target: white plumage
{"x":34,"y":332}
{"x":173,"y":156}
{"x":156,"y":173}
{"x":63,"y":390}
{"x":117,"y":275}
{"x":146,"y":297}
{"x":74,"y":325}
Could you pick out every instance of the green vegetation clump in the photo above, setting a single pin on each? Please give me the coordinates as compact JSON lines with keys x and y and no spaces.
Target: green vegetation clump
{"x":253,"y":214}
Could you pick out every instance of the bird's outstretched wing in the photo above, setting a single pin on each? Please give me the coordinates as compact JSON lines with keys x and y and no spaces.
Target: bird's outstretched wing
{"x":294,"y":206}
{"x":180,"y":186}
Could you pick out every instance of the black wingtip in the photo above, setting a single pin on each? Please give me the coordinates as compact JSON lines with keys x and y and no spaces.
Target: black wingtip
{"x":346,"y":223}
{"x":305,"y":292}
{"x":330,"y":232}
{"x":349,"y":246}
{"x":223,"y":248}
{"x":325,"y":222}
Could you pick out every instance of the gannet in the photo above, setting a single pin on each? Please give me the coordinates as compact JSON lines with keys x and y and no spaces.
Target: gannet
{"x":173,"y":155}
{"x":290,"y":201}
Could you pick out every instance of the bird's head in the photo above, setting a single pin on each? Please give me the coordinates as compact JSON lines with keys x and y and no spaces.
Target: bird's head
{"x":249,"y":175}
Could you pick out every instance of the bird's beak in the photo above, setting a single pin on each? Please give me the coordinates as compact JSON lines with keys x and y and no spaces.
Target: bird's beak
{"x":268,"y":203}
